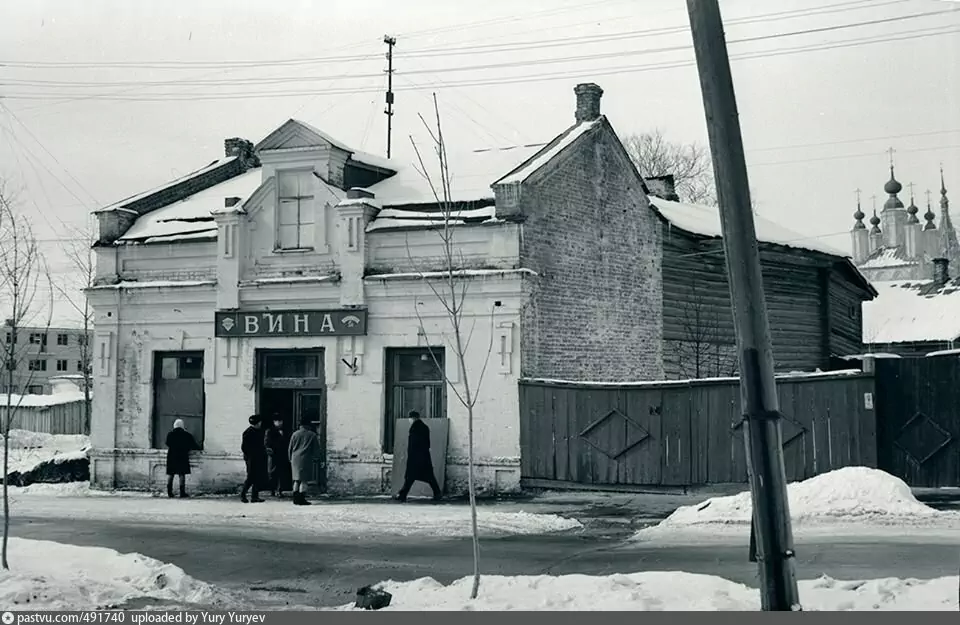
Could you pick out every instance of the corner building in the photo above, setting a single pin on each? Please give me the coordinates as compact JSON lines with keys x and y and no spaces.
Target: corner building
{"x":296,"y":276}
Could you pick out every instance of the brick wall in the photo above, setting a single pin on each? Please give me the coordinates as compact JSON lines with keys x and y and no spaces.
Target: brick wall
{"x":595,"y":311}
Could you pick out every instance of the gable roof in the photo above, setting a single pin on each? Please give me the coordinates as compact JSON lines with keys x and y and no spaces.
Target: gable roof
{"x":912,"y":312}
{"x":550,"y":151}
{"x":315,"y":136}
{"x":888,"y":258}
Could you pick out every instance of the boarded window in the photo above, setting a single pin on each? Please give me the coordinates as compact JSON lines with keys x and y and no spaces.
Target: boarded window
{"x":415,"y":382}
{"x":178,"y":393}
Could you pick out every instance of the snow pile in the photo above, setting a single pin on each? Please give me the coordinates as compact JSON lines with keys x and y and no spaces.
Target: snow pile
{"x":71,"y":489}
{"x":850,"y":494}
{"x":46,"y":575}
{"x":662,"y":591}
{"x":29,"y":449}
{"x":41,"y":401}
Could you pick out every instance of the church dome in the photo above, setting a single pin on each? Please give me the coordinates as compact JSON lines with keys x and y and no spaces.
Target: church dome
{"x":893,"y":187}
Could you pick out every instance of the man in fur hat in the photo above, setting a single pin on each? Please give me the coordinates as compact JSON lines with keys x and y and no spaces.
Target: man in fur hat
{"x":255,"y":457}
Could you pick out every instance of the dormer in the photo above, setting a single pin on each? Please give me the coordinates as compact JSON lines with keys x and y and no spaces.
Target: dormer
{"x":299,"y":146}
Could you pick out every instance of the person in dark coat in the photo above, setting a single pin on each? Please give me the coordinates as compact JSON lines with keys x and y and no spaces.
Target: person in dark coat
{"x":255,"y":457}
{"x":277,"y":441}
{"x":419,"y":462}
{"x":179,"y":445}
{"x":304,"y":450}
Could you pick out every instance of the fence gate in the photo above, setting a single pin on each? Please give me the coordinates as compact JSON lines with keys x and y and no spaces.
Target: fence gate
{"x":918,"y":419}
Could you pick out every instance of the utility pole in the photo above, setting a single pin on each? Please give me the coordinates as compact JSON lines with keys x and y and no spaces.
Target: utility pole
{"x":758,"y":387}
{"x":390,"y":41}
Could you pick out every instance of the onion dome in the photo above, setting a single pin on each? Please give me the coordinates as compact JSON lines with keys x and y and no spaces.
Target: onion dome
{"x":875,"y":222}
{"x":858,"y":216}
{"x":929,"y":216}
{"x":912,"y":210}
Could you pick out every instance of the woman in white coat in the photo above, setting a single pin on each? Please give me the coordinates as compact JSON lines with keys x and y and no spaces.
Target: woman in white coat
{"x":304,"y":450}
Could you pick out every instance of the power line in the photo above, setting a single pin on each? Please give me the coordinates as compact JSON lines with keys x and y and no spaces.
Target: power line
{"x":484,"y":48}
{"x":563,"y":75}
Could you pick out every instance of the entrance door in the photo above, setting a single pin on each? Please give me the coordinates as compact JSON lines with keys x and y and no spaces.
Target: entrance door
{"x":309,"y":405}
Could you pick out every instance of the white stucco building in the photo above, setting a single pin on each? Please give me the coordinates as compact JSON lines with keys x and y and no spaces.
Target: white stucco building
{"x":298,"y":276}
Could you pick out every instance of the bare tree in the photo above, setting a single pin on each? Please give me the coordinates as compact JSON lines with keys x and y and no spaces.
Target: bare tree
{"x":704,"y":351}
{"x":689,"y":164}
{"x":22,"y":274}
{"x":79,"y":252}
{"x":450,"y":287}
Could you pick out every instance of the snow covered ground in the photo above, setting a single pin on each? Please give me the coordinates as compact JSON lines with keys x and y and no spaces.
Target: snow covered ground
{"x":78,"y":501}
{"x":46,"y":575}
{"x":663,"y":591}
{"x":29,"y":449}
{"x":852,"y":500}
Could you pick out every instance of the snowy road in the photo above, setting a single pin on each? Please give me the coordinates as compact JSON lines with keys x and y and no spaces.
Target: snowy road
{"x":279,"y":564}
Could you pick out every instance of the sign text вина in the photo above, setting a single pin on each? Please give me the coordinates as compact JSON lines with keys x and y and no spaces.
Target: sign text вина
{"x":291,"y":323}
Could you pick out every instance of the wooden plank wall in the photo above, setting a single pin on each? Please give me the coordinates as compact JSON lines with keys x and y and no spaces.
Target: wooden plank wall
{"x":919,"y":423}
{"x":57,"y":419}
{"x":692,"y":438}
{"x":809,"y":301}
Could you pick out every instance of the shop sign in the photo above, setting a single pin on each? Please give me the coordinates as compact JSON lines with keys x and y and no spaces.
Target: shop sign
{"x":291,"y":323}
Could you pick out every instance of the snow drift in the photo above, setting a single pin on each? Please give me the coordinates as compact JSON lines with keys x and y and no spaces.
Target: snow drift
{"x":850,"y":493}
{"x":662,"y":591}
{"x":47,"y":575}
{"x":40,"y":457}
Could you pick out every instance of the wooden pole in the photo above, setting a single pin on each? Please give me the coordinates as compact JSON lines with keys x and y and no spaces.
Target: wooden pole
{"x":758,"y":390}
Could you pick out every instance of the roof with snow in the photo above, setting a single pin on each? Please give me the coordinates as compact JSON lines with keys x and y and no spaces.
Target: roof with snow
{"x":192,"y":217}
{"x":887,"y":258}
{"x":912,"y":312}
{"x":293,"y":126}
{"x":139,"y":196}
{"x":705,"y":221}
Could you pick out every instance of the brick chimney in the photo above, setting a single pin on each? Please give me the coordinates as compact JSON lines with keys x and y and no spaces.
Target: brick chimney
{"x":243,"y":150}
{"x":941,"y":271}
{"x":588,"y":101}
{"x":663,"y":187}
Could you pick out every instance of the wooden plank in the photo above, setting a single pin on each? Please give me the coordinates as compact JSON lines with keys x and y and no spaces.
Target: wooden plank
{"x":642,"y":463}
{"x":561,"y":433}
{"x":675,"y":428}
{"x":699,"y":437}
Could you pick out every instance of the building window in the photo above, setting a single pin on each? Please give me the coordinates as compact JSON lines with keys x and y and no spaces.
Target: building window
{"x":61,"y":365}
{"x":178,"y":393}
{"x":81,"y":339}
{"x":11,"y":338}
{"x":80,"y":366}
{"x":63,"y":339}
{"x":39,"y":338}
{"x":35,"y":389}
{"x":295,"y":210}
{"x":415,"y":382}
{"x":37,"y":365}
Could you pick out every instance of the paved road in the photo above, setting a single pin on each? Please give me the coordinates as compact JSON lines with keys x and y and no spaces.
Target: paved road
{"x":274,"y":568}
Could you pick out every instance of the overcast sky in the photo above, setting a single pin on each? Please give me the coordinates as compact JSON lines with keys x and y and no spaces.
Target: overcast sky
{"x":824,"y":88}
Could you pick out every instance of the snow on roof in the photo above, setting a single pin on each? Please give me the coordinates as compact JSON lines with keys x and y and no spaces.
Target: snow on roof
{"x":911,"y":312}
{"x":40,"y":401}
{"x":140,"y":196}
{"x":887,"y":257}
{"x":392,"y":218}
{"x":705,"y":221}
{"x":471,"y":175}
{"x":192,"y":215}
{"x":525,"y":169}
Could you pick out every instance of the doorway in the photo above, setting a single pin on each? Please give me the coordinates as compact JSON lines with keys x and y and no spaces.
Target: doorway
{"x":290,"y":384}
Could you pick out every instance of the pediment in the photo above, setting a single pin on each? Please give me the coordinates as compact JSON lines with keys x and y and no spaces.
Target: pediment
{"x":295,"y":134}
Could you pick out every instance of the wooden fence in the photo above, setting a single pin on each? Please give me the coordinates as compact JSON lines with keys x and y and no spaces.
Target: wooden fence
{"x":686,"y":433}
{"x":918,"y":416}
{"x":63,"y":418}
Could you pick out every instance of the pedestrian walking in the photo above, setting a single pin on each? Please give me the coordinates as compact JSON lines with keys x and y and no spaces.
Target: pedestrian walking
{"x":304,"y":451}
{"x":179,"y":445}
{"x":255,"y":457}
{"x":277,"y":442}
{"x":419,"y":463}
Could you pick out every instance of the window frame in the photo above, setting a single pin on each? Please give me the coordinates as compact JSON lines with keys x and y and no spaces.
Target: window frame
{"x":158,"y":435}
{"x":434,"y":403}
{"x":65,"y":342}
{"x":42,"y":364}
{"x":302,"y":201}
{"x":64,"y":362}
